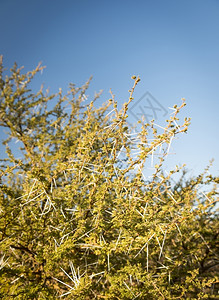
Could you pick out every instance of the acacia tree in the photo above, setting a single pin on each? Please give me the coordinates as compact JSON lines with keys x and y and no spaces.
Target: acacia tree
{"x":79,"y":220}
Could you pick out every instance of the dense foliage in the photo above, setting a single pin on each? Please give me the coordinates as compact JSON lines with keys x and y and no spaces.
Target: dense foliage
{"x":78,"y":218}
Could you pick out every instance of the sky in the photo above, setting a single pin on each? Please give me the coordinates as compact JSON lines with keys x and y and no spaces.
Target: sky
{"x":172,"y":45}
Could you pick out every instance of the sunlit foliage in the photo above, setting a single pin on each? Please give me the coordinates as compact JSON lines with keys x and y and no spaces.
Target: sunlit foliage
{"x":78,"y":218}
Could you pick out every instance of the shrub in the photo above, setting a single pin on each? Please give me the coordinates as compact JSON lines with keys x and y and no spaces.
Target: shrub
{"x":78,"y":218}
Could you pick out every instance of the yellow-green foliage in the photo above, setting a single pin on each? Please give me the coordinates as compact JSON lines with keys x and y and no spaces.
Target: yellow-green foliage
{"x":79,"y":221}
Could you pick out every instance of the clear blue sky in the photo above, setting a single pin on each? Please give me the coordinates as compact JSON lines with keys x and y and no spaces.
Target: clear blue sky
{"x":172,"y":45}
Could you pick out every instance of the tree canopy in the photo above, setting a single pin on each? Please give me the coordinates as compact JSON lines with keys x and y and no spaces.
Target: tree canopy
{"x":78,"y":218}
